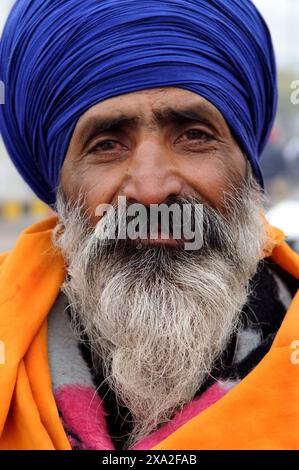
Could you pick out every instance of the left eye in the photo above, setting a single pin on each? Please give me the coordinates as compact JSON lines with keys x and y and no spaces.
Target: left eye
{"x":196,"y":134}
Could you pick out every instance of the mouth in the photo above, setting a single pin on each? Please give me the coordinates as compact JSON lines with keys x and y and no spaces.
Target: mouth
{"x":161,"y":239}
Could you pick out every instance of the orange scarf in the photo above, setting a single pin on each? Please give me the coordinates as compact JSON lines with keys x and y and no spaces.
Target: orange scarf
{"x":262,"y":412}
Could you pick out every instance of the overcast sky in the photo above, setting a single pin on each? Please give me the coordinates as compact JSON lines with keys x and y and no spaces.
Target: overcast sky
{"x":283,"y":19}
{"x":281,"y":15}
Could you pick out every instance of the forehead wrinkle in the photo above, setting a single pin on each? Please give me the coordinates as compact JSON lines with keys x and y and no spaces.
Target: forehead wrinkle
{"x":157,"y":117}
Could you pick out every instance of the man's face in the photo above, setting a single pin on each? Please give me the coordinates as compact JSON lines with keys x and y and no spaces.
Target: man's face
{"x":157,"y":317}
{"x":151,"y":145}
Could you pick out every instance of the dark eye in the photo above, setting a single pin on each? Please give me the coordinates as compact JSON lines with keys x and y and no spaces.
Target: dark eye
{"x":105,"y":146}
{"x":196,"y":134}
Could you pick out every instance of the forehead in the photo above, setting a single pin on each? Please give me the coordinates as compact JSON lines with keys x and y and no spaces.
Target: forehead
{"x":149,"y":104}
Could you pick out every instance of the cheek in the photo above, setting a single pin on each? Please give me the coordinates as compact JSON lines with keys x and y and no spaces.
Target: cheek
{"x":100,"y":188}
{"x":99,"y":185}
{"x":210,"y":179}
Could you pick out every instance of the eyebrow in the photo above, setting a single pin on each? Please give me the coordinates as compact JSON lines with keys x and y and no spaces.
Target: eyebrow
{"x":199,"y":113}
{"x":95,"y":125}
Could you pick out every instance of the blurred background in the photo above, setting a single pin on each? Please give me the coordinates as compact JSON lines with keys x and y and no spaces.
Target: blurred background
{"x":19,"y":207}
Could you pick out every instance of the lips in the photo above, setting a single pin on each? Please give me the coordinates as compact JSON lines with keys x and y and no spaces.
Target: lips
{"x":161,"y":239}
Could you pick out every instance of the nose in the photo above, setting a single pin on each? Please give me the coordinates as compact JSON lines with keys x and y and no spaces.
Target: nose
{"x":152,"y":176}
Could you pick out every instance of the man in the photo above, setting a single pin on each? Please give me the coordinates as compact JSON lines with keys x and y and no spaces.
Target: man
{"x":137,"y":342}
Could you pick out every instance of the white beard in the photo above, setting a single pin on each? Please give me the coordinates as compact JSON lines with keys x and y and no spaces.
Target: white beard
{"x":157,"y":319}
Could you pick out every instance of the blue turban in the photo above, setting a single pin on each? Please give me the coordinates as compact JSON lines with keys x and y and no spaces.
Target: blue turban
{"x":60,"y":57}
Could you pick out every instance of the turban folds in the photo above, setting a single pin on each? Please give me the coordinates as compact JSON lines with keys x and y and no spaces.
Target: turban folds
{"x":60,"y":57}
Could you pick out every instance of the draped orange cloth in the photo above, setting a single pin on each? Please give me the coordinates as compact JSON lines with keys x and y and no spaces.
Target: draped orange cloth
{"x":262,"y":412}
